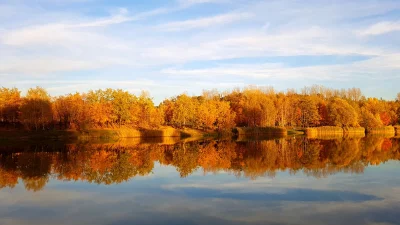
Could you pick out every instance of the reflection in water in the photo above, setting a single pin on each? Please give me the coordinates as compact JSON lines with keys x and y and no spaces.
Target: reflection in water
{"x":116,"y":163}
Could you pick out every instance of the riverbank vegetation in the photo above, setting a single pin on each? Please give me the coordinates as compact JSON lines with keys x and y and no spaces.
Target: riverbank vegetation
{"x":380,"y":130}
{"x":120,"y":111}
{"x":397,"y":130}
{"x":332,"y":131}
{"x":260,"y":131}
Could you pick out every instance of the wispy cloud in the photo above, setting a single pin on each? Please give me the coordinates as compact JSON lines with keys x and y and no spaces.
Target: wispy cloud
{"x":368,"y":69}
{"x":204,"y":22}
{"x":116,"y":19}
{"x":194,"y":2}
{"x":380,"y":28}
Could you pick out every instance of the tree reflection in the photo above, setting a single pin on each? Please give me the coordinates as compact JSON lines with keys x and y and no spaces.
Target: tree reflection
{"x":116,"y":163}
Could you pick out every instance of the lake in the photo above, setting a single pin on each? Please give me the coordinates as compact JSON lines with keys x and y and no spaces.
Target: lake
{"x":292,"y":180}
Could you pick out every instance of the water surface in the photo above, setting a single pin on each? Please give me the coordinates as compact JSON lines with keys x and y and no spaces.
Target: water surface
{"x":281,"y":181}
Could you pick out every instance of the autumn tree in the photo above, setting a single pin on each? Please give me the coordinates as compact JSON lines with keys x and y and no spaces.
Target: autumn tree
{"x":225,"y":117}
{"x":10,"y":101}
{"x":293,"y":111}
{"x":144,"y":112}
{"x":369,"y":120}
{"x":71,"y":111}
{"x":79,"y":111}
{"x":36,"y":109}
{"x":252,"y":106}
{"x":185,"y":109}
{"x":391,"y":112}
{"x":61,"y":111}
{"x":99,"y":107}
{"x":341,"y":113}
{"x":308,"y":112}
{"x":374,"y":105}
{"x":323,"y":113}
{"x":385,"y":118}
{"x":259,"y":108}
{"x":283,"y":105}
{"x":354,"y":94}
{"x":121,"y":103}
{"x":167,"y":107}
{"x":382,"y":110}
{"x":237,"y":103}
{"x":207,"y":114}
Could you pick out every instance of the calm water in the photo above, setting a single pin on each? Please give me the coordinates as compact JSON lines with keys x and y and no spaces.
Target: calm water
{"x":282,"y":181}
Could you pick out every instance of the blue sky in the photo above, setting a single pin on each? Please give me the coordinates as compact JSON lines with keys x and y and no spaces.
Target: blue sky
{"x":170,"y":47}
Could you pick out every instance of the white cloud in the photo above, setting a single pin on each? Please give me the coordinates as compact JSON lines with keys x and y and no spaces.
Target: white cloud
{"x":48,"y":65}
{"x":105,"y":22}
{"x":204,"y":22}
{"x":368,"y":69}
{"x":254,"y":43}
{"x":194,"y":2}
{"x":380,"y":28}
{"x":43,"y":34}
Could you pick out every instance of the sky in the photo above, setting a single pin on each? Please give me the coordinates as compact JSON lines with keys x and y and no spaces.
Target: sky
{"x":168,"y":47}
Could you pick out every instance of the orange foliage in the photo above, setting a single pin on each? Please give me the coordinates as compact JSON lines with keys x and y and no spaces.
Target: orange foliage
{"x":251,"y":106}
{"x":385,"y":118}
{"x":386,"y":144}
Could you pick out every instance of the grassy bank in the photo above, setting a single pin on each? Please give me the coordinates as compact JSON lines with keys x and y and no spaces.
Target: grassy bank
{"x":397,"y":130}
{"x":331,"y":131}
{"x":38,"y":135}
{"x":324,"y":131}
{"x":108,"y":134}
{"x":390,"y":130}
{"x":295,"y":130}
{"x":354,"y":130}
{"x":349,"y":131}
{"x":258,"y":132}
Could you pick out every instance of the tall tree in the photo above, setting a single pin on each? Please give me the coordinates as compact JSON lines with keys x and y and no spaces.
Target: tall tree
{"x":259,"y":108}
{"x":10,"y":101}
{"x":341,"y":113}
{"x":308,"y":112}
{"x":99,"y":107}
{"x":225,"y":117}
{"x":121,"y":102}
{"x":369,"y":120}
{"x":36,"y":109}
{"x":185,"y":109}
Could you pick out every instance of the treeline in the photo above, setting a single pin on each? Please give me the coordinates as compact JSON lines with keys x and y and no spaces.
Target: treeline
{"x":251,"y":107}
{"x":116,"y":163}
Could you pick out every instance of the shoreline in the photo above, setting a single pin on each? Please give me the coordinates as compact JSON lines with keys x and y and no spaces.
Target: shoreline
{"x":101,"y":134}
{"x":182,"y":133}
